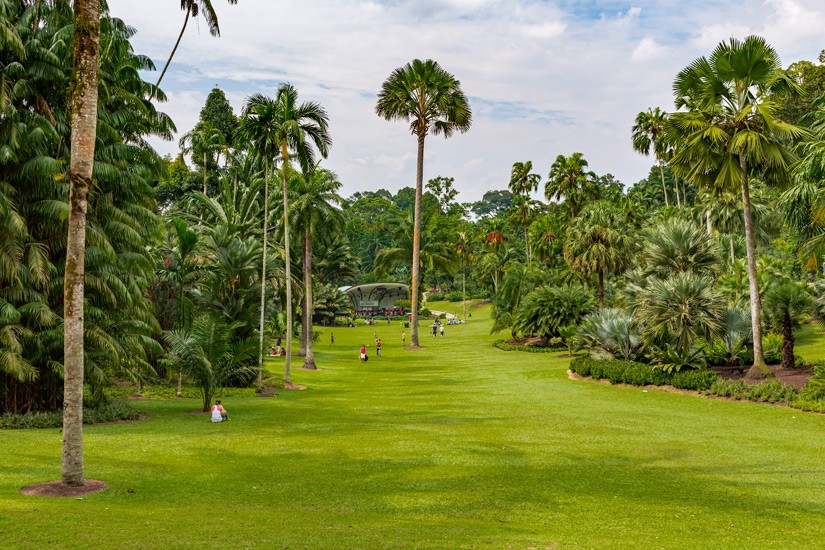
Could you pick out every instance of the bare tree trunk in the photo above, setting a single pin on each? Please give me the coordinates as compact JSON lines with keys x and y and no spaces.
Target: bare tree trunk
{"x":265,"y":230}
{"x":204,"y":172}
{"x":171,"y":55}
{"x":732,"y":255}
{"x":419,"y":182}
{"x":287,"y":262}
{"x":759,"y":369}
{"x":788,"y":361}
{"x":84,"y":128}
{"x":601,"y":290}
{"x":302,"y":347}
{"x":309,"y":361}
{"x":708,"y":222}
{"x":664,"y":187}
{"x":464,"y":288}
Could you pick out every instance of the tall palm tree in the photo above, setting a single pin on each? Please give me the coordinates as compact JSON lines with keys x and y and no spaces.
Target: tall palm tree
{"x":729,"y":133}
{"x":649,"y":133}
{"x":193,"y":8}
{"x":314,"y":210}
{"x":432,"y":101}
{"x":568,"y":180}
{"x":277,"y":127}
{"x":599,"y":243}
{"x":205,"y":138}
{"x":86,"y":39}
{"x":522,"y":183}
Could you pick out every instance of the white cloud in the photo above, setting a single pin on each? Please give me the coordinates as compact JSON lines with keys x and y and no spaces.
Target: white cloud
{"x":545,"y":78}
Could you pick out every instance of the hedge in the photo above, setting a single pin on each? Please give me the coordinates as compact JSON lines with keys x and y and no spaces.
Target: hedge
{"x":504,"y":345}
{"x":641,"y":374}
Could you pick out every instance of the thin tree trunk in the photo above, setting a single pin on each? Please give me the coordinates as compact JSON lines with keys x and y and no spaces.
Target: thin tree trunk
{"x":204,"y":172}
{"x":708,"y":222}
{"x":732,"y":255}
{"x":527,"y":244}
{"x":759,"y":369}
{"x":287,"y":261}
{"x":171,"y":55}
{"x":84,"y":128}
{"x":309,"y":361}
{"x":265,"y":230}
{"x":664,"y":187}
{"x":787,"y":341}
{"x":601,"y":290}
{"x":464,"y":288}
{"x":419,"y":182}
{"x":302,"y":347}
{"x":676,"y":188}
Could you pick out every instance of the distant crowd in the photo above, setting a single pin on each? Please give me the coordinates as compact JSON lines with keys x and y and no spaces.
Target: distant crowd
{"x":391,"y":312}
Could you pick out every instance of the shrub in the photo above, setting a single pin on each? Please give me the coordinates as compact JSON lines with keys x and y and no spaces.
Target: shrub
{"x":735,"y":389}
{"x":406,"y":304}
{"x":455,"y":296}
{"x":641,"y":374}
{"x":506,"y":346}
{"x":772,"y":391}
{"x":435,"y":297}
{"x":424,"y":312}
{"x":546,"y":309}
{"x":106,"y":412}
{"x":612,"y":330}
{"x":699,"y":379}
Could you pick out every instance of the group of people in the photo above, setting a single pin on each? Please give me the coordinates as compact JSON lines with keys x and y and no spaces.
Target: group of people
{"x":277,"y":349}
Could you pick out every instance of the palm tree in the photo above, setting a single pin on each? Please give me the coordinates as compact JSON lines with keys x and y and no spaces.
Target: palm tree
{"x":729,"y":133}
{"x":431,"y":100}
{"x":649,"y":133}
{"x":569,"y":181}
{"x":598,"y":242}
{"x":205,"y":138}
{"x":277,"y":127}
{"x":522,"y":183}
{"x":314,"y":210}
{"x":193,"y":7}
{"x":86,"y":38}
{"x":788,"y":302}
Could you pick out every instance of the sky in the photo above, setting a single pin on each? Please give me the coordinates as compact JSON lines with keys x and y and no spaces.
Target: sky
{"x":543,"y":78}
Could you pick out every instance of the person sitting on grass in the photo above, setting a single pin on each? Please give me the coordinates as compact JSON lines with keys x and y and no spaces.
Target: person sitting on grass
{"x":219,"y":414}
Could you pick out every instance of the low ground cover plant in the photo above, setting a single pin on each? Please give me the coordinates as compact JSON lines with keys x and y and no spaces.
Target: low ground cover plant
{"x":112,"y":411}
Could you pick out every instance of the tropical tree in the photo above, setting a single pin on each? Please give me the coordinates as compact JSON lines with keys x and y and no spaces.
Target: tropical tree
{"x":86,"y":39}
{"x":522,"y":183}
{"x":649,"y":133}
{"x":277,"y":128}
{"x":314,"y":211}
{"x":193,"y":8}
{"x":569,"y":181}
{"x":432,"y":101}
{"x":786,"y":304}
{"x":204,"y":138}
{"x":598,"y":243}
{"x":729,"y":133}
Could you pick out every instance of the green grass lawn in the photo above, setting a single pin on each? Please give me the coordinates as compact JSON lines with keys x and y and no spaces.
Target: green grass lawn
{"x":459,"y":445}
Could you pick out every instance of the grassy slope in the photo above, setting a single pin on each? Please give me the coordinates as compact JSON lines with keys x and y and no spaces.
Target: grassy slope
{"x":456,"y":446}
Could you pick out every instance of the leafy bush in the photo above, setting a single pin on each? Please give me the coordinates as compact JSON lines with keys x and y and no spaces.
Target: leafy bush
{"x":435,"y":297}
{"x":424,"y":312}
{"x":504,"y":345}
{"x":735,"y":389}
{"x":106,"y":412}
{"x":772,"y":391}
{"x":547,"y":309}
{"x":406,"y":304}
{"x":455,"y":296}
{"x":699,"y":379}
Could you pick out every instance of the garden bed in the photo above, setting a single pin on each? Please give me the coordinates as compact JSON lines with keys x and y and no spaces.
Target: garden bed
{"x":797,"y":377}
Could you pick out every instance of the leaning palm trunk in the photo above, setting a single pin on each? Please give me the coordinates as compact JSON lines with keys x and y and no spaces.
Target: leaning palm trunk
{"x":416,"y":252}
{"x":759,"y":369}
{"x":287,"y":262}
{"x":84,"y":129}
{"x":309,"y":360}
{"x":171,"y":55}
{"x":263,"y":281}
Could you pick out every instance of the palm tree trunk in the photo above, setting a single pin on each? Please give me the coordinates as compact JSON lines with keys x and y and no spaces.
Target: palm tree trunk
{"x":263,"y":280}
{"x":787,"y":341}
{"x":171,"y":55}
{"x":678,"y":198}
{"x":309,"y":360}
{"x":759,"y":369}
{"x":302,"y":347}
{"x":601,"y":290}
{"x":664,"y":187}
{"x":204,"y":172}
{"x":708,"y":222}
{"x":527,"y":244}
{"x":464,"y":287}
{"x":419,"y":182}
{"x":287,"y":262}
{"x":732,"y":255}
{"x":84,"y":129}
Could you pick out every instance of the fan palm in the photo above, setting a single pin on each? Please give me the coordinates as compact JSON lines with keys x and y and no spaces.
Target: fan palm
{"x":598,"y":243}
{"x":729,"y":133}
{"x":787,"y":302}
{"x":431,"y":100}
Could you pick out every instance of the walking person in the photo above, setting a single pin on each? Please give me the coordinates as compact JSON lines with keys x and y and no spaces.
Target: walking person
{"x":378,"y":347}
{"x":442,"y":331}
{"x":403,"y":339}
{"x":363,"y":353}
{"x":331,"y":339}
